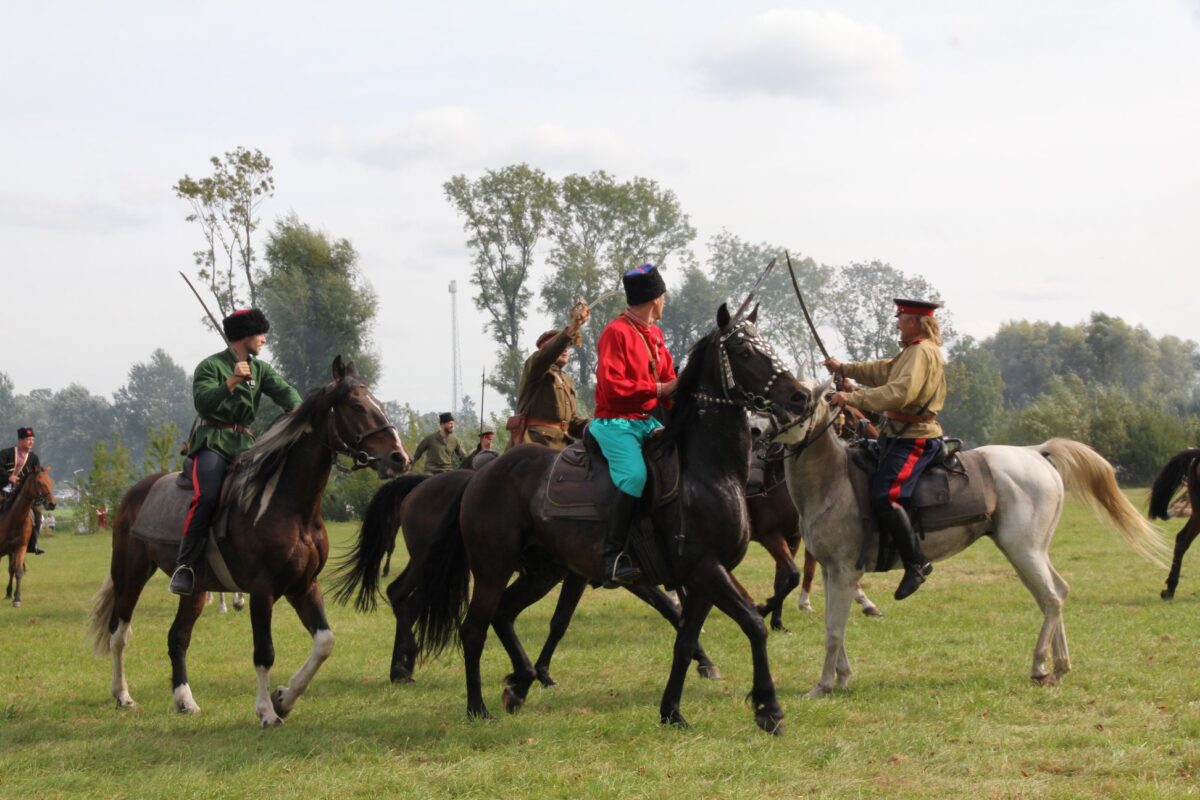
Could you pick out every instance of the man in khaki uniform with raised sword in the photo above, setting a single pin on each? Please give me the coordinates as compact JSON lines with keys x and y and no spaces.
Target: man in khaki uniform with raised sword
{"x":546,"y":394}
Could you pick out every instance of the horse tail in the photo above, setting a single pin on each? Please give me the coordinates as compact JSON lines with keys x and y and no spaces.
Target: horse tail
{"x":103,"y":604}
{"x":1168,"y":481}
{"x":1087,"y":474}
{"x":359,"y":569}
{"x":439,"y":601}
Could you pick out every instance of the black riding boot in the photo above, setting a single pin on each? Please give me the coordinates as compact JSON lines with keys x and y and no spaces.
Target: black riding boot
{"x":33,"y":539}
{"x":619,"y":571}
{"x":894,"y":520}
{"x":191,"y":550}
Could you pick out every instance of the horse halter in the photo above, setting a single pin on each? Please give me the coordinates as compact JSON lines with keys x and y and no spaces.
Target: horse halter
{"x":338,"y":446}
{"x":729,"y":385}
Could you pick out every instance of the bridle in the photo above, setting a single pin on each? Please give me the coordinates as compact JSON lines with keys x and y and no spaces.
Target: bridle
{"x":793,"y":450}
{"x":338,"y":446}
{"x":732,"y":393}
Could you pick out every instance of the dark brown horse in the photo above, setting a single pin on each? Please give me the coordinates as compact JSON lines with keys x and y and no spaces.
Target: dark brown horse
{"x":1183,"y":468}
{"x":16,"y":526}
{"x":415,"y":505}
{"x":497,"y":528}
{"x":277,"y":543}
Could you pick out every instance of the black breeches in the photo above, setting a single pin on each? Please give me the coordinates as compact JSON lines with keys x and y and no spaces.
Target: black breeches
{"x":208,"y":473}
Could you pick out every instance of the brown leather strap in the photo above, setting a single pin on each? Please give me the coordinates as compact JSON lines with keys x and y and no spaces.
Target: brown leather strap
{"x":226,"y":426}
{"x":911,"y":419}
{"x":546,"y":423}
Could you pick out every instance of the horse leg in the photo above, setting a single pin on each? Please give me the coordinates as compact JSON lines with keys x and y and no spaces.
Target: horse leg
{"x":568,"y":600}
{"x":1182,"y":542}
{"x":695,"y":611}
{"x":868,"y":608}
{"x":525,"y":591}
{"x":1039,"y":577}
{"x":128,"y":578}
{"x":787,"y":577}
{"x":810,"y":569}
{"x":310,"y":607}
{"x":1062,"y":657}
{"x":839,"y":595}
{"x":404,"y":648}
{"x":179,"y":638}
{"x":662,"y":603}
{"x":473,"y":635}
{"x":722,"y":589}
{"x":261,"y":607}
{"x":239,"y":601}
{"x":19,"y":572}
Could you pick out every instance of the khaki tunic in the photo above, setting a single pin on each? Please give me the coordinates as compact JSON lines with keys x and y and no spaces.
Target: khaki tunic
{"x":904,"y":383}
{"x":547,"y":393}
{"x":442,"y":450}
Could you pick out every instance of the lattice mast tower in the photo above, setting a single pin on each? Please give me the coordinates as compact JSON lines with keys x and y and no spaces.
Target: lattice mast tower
{"x":456,"y":380}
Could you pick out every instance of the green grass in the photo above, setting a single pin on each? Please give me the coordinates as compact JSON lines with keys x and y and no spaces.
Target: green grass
{"x":940,"y":704}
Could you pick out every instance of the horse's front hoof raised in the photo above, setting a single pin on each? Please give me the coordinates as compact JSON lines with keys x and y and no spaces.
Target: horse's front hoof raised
{"x":279,"y":703}
{"x":545,"y":678}
{"x":709,"y":671}
{"x":512,"y":699}
{"x":778,"y":627}
{"x":872,"y":611}
{"x":270,"y":721}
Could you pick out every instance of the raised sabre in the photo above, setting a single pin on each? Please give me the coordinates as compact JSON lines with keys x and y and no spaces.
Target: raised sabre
{"x":217,"y":325}
{"x":754,"y":290}
{"x":804,"y":308}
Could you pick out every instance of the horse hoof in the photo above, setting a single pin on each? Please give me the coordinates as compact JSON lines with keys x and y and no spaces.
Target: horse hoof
{"x":1049,"y":679}
{"x":709,"y":671}
{"x":872,"y":611}
{"x":126,"y":703}
{"x":270,"y":722}
{"x":184,"y":709}
{"x":546,"y":679}
{"x":818,"y":692}
{"x":675,"y":719}
{"x":762,"y":610}
{"x":512,"y":700}
{"x":277,"y":702}
{"x":16,"y":603}
{"x":779,"y":627}
{"x":771,"y":722}
{"x":402,"y":677}
{"x":479,"y":713}
{"x":1167,"y":594}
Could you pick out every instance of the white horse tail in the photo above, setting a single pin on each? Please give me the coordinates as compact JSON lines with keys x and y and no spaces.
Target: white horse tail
{"x":102,"y":608}
{"x":1087,"y":474}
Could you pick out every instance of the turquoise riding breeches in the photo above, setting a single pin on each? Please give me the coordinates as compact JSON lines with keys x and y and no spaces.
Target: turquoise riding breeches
{"x":621,"y":442}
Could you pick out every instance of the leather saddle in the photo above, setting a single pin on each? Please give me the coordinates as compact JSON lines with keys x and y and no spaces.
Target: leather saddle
{"x":580,"y":486}
{"x":957,"y":490}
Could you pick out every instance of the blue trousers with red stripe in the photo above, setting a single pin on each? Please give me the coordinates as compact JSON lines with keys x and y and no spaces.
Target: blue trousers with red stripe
{"x":902,"y":463}
{"x":208,"y":473}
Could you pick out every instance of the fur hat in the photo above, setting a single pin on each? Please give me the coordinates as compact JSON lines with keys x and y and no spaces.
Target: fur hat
{"x":245,"y":322}
{"x":445,"y":417}
{"x":24,"y":433}
{"x":643,"y":284}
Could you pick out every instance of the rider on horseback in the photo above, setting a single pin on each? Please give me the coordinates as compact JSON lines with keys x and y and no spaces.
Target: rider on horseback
{"x":225,"y":404}
{"x":634,"y":371}
{"x":910,"y":390}
{"x":545,"y":393}
{"x":17,"y":463}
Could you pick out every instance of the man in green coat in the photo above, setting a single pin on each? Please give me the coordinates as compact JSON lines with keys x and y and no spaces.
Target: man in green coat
{"x":444,"y":449}
{"x":226,"y":404}
{"x":545,"y":393}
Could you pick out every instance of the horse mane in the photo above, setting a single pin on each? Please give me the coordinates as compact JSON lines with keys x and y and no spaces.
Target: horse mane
{"x":683,"y":415}
{"x":263,"y":460}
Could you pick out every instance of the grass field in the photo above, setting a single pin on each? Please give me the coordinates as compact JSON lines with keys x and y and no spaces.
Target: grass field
{"x":940,"y":705}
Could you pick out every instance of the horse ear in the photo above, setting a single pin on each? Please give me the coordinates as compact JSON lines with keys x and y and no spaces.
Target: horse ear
{"x":339,"y":369}
{"x":753,"y":318}
{"x":350,"y":370}
{"x":722,"y":317}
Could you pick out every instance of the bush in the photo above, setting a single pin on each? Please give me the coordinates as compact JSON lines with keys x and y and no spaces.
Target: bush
{"x":347,"y":495}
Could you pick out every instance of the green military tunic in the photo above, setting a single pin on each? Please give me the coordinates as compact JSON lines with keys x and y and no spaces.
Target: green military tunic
{"x":547,"y":393}
{"x":215,"y":402}
{"x":442,"y":450}
{"x":905,"y":383}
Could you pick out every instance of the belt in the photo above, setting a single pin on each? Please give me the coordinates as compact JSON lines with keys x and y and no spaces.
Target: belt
{"x":546,"y":423}
{"x":226,"y":426}
{"x":911,"y":419}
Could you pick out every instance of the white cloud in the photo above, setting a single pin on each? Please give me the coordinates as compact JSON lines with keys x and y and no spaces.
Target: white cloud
{"x":805,"y":54}
{"x":70,"y":215}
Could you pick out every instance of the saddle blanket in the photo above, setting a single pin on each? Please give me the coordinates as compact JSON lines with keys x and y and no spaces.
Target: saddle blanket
{"x":580,"y":487}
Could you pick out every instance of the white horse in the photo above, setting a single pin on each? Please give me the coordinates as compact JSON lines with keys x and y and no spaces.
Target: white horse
{"x":239,"y":601}
{"x":1030,"y":492}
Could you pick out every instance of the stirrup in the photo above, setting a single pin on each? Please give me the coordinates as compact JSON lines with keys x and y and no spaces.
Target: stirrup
{"x":622,"y":576}
{"x":183,"y":581}
{"x":914,"y":576}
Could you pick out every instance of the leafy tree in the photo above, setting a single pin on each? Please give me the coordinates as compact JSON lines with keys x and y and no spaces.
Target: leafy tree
{"x":601,"y":228}
{"x":162,"y":449}
{"x":106,"y":482}
{"x":506,"y":213}
{"x":691,"y":311}
{"x":1031,"y":355}
{"x":975,"y":393}
{"x":862,"y":312}
{"x":225,"y":205}
{"x":736,"y":264}
{"x":348,"y":494}
{"x":157,"y":394}
{"x":74,"y":418}
{"x":8,"y":401}
{"x":318,"y":303}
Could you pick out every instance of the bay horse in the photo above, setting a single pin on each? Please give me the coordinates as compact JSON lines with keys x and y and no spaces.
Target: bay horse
{"x":1029,"y":484}
{"x":277,"y":542}
{"x":16,"y":526}
{"x":1183,"y":468}
{"x":415,"y":504}
{"x":497,"y":527}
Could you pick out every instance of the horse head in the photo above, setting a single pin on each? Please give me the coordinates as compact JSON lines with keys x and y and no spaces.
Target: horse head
{"x":42,"y":488}
{"x":750,"y":371}
{"x":361,"y":426}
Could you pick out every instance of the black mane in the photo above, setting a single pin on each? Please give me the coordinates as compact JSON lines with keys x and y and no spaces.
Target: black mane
{"x":695,"y":370}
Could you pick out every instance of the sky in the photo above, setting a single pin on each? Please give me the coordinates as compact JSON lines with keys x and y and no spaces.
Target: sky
{"x":1032,"y":160}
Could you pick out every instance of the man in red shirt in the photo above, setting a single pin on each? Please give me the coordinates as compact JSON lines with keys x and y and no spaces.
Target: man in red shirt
{"x":634,"y":372}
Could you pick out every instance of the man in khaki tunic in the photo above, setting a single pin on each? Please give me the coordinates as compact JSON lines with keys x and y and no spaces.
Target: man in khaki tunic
{"x":909,"y":390}
{"x":546,"y":394}
{"x":443,"y":448}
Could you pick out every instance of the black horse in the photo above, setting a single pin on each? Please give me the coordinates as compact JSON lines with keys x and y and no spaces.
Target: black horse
{"x":495,"y":526}
{"x":1184,"y":467}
